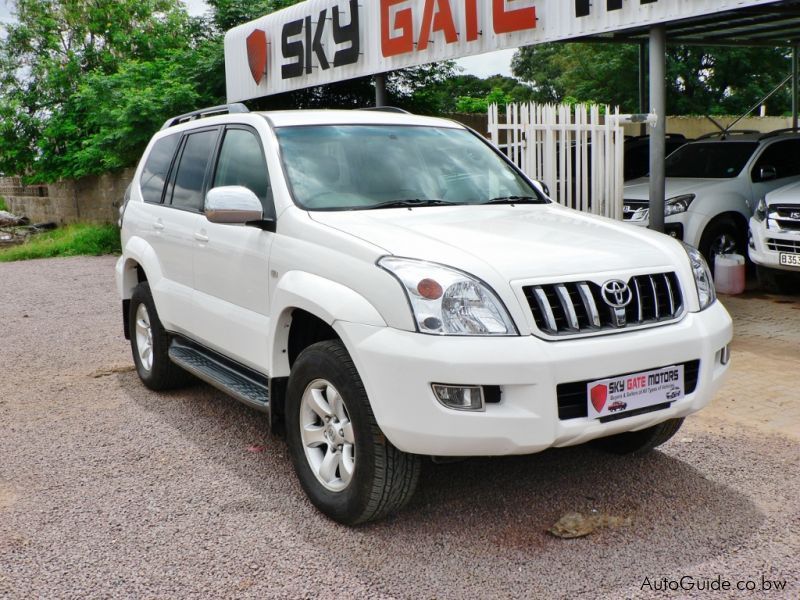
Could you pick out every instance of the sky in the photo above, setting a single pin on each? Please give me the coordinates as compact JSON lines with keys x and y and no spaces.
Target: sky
{"x":481,"y":66}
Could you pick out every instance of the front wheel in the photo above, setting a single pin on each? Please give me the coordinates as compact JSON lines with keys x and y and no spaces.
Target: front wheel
{"x":640,"y":442}
{"x":346,"y":466}
{"x":722,"y":236}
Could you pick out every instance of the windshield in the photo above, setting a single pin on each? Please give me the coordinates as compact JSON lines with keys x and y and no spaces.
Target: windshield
{"x":353,"y":167}
{"x":711,"y":160}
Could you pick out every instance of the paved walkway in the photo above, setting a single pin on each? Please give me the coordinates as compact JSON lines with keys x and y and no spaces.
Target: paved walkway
{"x":763,"y":390}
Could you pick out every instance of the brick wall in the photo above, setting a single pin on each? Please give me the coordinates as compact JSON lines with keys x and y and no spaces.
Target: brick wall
{"x":93,"y":199}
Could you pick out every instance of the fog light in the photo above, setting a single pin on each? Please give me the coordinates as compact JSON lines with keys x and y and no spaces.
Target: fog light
{"x":725,"y":355}
{"x":459,"y":397}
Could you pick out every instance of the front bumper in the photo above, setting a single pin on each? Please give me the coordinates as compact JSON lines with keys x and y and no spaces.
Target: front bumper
{"x":687,"y":227}
{"x":759,"y":250}
{"x":398,"y":367}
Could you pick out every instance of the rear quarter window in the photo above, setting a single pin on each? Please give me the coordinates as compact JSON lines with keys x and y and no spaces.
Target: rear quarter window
{"x":156,"y":169}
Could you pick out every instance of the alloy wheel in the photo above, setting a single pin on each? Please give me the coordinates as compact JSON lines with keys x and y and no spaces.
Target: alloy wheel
{"x":327,"y":435}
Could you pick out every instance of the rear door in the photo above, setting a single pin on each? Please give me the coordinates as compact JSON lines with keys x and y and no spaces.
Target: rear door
{"x":231,"y":262}
{"x":176,"y":225}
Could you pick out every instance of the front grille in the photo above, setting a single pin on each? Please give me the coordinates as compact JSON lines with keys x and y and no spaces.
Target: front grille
{"x":579,"y":307}
{"x":635,"y":210}
{"x":792,"y":246}
{"x":573,"y":397}
{"x":786,"y":216}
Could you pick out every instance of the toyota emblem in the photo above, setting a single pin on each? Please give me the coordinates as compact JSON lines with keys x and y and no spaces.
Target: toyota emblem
{"x":617,"y":294}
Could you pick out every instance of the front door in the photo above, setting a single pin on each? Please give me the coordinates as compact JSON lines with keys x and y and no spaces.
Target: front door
{"x":231,"y":262}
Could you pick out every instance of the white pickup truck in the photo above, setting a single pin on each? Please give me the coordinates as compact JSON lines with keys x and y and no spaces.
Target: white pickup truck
{"x":387,"y":286}
{"x":775,"y":238}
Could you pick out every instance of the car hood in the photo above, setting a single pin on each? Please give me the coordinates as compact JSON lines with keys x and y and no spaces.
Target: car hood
{"x":639,"y":189}
{"x":515,"y":242}
{"x":789,"y":194}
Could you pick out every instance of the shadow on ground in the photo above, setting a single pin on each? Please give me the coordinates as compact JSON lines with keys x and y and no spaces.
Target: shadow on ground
{"x":487,"y":513}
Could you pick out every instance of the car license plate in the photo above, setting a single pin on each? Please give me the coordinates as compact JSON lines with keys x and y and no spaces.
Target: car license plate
{"x":790,"y":260}
{"x":630,"y":392}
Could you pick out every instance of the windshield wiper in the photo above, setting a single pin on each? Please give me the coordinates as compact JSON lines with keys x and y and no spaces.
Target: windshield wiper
{"x":516,"y":200}
{"x":407,"y":203}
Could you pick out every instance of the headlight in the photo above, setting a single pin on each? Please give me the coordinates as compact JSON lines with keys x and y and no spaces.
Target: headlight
{"x":445,"y":301}
{"x":704,"y":281}
{"x":761,"y":210}
{"x":678,"y":205}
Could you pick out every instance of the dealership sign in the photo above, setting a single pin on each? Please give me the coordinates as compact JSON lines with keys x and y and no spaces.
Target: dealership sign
{"x":323,"y":41}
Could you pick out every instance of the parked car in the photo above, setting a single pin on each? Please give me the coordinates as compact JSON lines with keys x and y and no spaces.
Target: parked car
{"x":714,"y":184}
{"x":386,"y":286}
{"x":637,"y":153}
{"x":775,"y":238}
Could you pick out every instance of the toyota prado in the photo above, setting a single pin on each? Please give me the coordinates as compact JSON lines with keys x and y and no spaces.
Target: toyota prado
{"x":386,"y":286}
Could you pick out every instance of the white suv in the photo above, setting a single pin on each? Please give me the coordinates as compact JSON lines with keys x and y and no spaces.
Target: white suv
{"x":386,"y":286}
{"x":714,"y":184}
{"x":775,"y":237}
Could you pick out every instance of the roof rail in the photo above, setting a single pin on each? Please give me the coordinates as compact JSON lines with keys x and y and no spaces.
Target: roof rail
{"x":391,"y":109}
{"x":223,"y":109}
{"x":778,"y":132}
{"x":723,"y":135}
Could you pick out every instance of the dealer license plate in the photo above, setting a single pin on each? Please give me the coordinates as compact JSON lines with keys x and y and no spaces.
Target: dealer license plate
{"x":629,"y":392}
{"x":790,"y":260}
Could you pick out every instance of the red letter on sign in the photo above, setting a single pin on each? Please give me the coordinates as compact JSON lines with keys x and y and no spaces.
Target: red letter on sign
{"x":471,"y":8}
{"x":403,"y":22}
{"x":443,"y":21}
{"x":506,"y":21}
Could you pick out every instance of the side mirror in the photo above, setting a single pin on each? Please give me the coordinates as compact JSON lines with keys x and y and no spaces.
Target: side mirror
{"x":767,"y":173}
{"x":542,"y":187}
{"x":233,"y":205}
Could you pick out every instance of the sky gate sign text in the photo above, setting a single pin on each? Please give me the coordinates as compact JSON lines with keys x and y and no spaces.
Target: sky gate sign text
{"x":324,"y":41}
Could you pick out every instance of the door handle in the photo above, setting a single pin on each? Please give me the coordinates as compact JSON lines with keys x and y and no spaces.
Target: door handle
{"x":201,"y":237}
{"x":158,"y":226}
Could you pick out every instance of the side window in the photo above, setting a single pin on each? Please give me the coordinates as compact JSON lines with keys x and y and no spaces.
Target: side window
{"x":241,"y":162}
{"x":783,"y":156}
{"x":156,"y":168}
{"x":188,"y":188}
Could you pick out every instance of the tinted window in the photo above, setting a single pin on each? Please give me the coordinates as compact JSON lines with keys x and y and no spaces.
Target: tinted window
{"x":156,"y":168}
{"x":188,"y":191}
{"x":241,"y":162}
{"x":784,"y":157}
{"x":710,"y":160}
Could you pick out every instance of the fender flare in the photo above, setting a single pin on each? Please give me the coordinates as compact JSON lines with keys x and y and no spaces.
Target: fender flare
{"x":137,"y":252}
{"x":323,"y":298}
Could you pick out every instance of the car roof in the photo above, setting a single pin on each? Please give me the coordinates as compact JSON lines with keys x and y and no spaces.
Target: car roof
{"x":295,"y":118}
{"x":753,"y":137}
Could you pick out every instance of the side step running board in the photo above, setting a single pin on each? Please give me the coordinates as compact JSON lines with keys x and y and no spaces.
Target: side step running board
{"x":246,"y":386}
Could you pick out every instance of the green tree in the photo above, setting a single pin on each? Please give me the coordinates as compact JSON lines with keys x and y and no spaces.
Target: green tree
{"x":50,"y":54}
{"x":701,"y":80}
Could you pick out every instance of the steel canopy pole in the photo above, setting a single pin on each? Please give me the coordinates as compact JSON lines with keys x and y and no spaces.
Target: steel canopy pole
{"x":795,"y":84}
{"x":380,"y":89}
{"x":643,"y":84}
{"x":658,"y":132}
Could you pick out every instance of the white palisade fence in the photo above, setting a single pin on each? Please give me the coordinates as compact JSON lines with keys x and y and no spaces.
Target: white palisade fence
{"x":574,"y":150}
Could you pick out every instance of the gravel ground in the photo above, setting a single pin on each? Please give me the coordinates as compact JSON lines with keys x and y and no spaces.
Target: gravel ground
{"x":109,"y":490}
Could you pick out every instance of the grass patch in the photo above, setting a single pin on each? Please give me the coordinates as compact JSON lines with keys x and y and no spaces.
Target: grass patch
{"x":73,"y":240}
{"x":3,"y":205}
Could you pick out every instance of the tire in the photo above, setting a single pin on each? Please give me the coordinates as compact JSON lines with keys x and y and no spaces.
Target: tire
{"x":639,"y":442}
{"x":154,"y":367}
{"x":774,"y":281}
{"x":722,"y":236}
{"x":366,"y":477}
